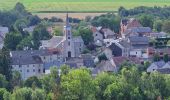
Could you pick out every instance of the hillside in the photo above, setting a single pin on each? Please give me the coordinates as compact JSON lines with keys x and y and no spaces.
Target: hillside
{"x":80,"y":5}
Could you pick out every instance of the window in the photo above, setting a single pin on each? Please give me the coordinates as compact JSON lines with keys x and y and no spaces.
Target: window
{"x":80,"y":49}
{"x":28,"y":70}
{"x":96,"y":34}
{"x":27,"y":65}
{"x":44,"y":58}
{"x":68,"y":37}
{"x":69,"y":43}
{"x":19,"y":66}
{"x":20,"y":70}
{"x":39,"y":70}
{"x":33,"y":70}
{"x":136,"y":52}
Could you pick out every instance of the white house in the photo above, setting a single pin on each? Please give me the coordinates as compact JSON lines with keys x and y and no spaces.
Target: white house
{"x":35,"y":62}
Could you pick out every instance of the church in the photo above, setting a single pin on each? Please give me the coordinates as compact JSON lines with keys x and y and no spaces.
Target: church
{"x":68,"y":45}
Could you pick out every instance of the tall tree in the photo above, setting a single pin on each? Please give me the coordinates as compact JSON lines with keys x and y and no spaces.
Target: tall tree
{"x":78,"y":84}
{"x":86,"y":34}
{"x":5,"y":67}
{"x":166,"y":26}
{"x":146,"y":20}
{"x":12,"y":40}
{"x":40,"y":33}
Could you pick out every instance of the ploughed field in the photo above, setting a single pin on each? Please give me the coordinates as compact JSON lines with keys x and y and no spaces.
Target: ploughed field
{"x":45,"y":6}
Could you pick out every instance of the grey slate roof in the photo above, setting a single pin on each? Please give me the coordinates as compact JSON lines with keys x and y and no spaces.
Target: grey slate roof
{"x":160,"y":64}
{"x":138,"y":39}
{"x":25,"y":60}
{"x":104,"y":66}
{"x":54,"y":41}
{"x":124,"y":43}
{"x":141,"y":29}
{"x":30,"y":56}
{"x":88,"y":60}
{"x":164,"y":71}
{"x":72,"y":62}
{"x":78,"y":39}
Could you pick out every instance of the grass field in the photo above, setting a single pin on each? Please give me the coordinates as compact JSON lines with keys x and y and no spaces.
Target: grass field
{"x":80,"y":5}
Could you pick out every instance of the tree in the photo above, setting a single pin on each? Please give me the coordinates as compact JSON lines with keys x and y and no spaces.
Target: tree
{"x":19,"y":25}
{"x":12,"y":40}
{"x":102,"y":81}
{"x":5,"y":67}
{"x":2,"y":91}
{"x":19,"y":7}
{"x":28,"y":94}
{"x":166,"y":58}
{"x":32,"y":81}
{"x":86,"y":35}
{"x":22,"y":94}
{"x":16,"y":79}
{"x":40,"y":33}
{"x":38,"y":94}
{"x":166,"y":26}
{"x":158,"y":25}
{"x":7,"y":96}
{"x":33,"y":20}
{"x":78,"y":84}
{"x":146,"y":20}
{"x":123,"y":12}
{"x":156,"y":57}
{"x":25,"y":43}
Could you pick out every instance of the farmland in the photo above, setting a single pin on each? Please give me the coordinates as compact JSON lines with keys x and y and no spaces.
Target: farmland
{"x":80,"y":5}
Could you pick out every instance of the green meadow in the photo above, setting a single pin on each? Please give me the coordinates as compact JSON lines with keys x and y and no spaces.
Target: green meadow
{"x":80,"y":5}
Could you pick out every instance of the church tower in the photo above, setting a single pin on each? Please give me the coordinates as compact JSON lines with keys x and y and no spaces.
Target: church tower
{"x":69,"y":43}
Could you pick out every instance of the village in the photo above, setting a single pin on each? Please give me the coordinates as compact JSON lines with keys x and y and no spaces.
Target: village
{"x":132,"y":45}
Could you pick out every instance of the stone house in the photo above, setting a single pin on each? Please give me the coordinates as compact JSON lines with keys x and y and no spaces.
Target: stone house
{"x":138,"y":46}
{"x":34,"y":62}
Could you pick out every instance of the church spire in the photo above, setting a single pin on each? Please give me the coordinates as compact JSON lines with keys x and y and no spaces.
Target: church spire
{"x":67,"y":20}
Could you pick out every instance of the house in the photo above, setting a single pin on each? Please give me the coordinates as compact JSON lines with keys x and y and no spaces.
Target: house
{"x":3,"y":32}
{"x":100,"y":34}
{"x":108,"y":33}
{"x":104,"y":66}
{"x":128,"y":23}
{"x":88,"y":60}
{"x":157,"y":34}
{"x":27,"y":65}
{"x":70,"y":46}
{"x":117,"y":48}
{"x":98,"y":37}
{"x":156,"y":65}
{"x":35,"y":62}
{"x":75,"y":62}
{"x":159,"y":51}
{"x":137,"y":31}
{"x":118,"y":61}
{"x":138,"y":46}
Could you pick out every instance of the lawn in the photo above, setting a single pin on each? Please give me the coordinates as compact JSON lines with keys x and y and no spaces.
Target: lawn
{"x":80,"y":5}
